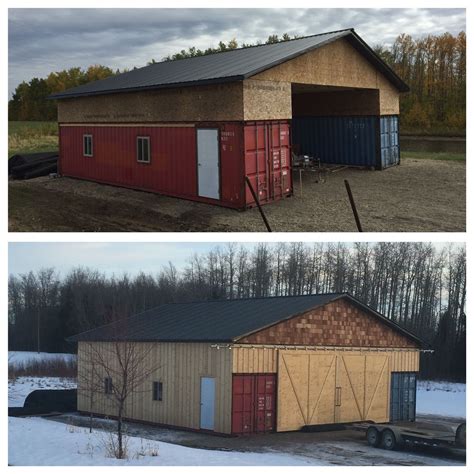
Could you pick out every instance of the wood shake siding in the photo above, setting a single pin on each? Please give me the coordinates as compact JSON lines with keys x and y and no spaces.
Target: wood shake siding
{"x":339,"y":323}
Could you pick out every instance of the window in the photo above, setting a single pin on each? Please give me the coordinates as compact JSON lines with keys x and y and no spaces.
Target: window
{"x":87,"y":142}
{"x":143,"y":149}
{"x":108,"y":385}
{"x":158,"y":391}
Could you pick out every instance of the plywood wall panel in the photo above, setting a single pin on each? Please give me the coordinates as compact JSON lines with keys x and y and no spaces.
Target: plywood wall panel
{"x":218,"y":102}
{"x":336,"y":64}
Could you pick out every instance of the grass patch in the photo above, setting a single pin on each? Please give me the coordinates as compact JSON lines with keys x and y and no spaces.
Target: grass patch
{"x":426,"y":155}
{"x":32,"y":137}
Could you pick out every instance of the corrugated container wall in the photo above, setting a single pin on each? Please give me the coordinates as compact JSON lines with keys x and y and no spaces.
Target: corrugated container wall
{"x":268,"y":160}
{"x":258,"y":149}
{"x":369,"y":141}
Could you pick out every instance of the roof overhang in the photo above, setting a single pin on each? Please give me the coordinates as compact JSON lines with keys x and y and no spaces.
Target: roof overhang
{"x":350,"y":35}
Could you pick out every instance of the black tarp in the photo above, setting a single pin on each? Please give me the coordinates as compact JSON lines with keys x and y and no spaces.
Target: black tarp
{"x":46,"y":401}
{"x":27,"y":166}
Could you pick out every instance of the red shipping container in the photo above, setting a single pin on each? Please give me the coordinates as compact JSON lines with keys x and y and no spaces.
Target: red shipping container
{"x":259,"y":150}
{"x":253,"y":403}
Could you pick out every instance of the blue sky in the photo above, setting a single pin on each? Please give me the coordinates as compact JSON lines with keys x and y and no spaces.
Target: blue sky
{"x":46,"y":40}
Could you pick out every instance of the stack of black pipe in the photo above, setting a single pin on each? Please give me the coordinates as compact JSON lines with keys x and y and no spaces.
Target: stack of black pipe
{"x":33,"y":165}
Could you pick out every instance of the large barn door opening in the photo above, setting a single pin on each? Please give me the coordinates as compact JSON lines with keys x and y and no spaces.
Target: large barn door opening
{"x":208,"y":163}
{"x":316,"y":389}
{"x":208,"y":396}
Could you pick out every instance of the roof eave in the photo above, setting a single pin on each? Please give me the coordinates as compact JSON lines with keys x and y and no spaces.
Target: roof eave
{"x":174,"y":85}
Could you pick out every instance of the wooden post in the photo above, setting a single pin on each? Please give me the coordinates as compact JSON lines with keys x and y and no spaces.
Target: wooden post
{"x":258,"y":203}
{"x":354,"y":209}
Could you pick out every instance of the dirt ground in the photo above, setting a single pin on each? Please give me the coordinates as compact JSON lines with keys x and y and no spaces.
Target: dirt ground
{"x":417,"y":196}
{"x":342,"y":447}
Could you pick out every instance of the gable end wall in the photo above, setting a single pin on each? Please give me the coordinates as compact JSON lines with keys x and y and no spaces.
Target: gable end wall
{"x":339,"y":323}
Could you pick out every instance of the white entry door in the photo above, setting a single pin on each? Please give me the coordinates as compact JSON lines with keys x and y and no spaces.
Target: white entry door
{"x":208,"y":395}
{"x":208,"y":162}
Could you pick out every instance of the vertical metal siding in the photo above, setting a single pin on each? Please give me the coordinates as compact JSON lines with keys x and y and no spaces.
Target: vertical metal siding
{"x":259,"y":359}
{"x":180,"y":368}
{"x":337,"y":140}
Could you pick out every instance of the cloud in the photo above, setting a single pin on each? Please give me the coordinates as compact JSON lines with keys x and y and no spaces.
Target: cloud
{"x":45,"y":40}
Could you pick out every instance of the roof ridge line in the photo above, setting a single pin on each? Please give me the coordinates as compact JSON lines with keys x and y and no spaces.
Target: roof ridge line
{"x":252,"y":46}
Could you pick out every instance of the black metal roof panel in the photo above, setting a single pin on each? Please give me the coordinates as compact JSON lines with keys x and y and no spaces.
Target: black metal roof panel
{"x":228,"y":66}
{"x":213,"y":321}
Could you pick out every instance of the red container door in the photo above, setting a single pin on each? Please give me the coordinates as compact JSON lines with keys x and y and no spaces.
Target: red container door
{"x":253,"y":403}
{"x":255,"y":138}
{"x":265,"y":406}
{"x":267,"y":160}
{"x":279,"y":159}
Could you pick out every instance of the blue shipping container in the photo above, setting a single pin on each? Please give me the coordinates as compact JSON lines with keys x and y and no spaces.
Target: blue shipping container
{"x":355,"y":141}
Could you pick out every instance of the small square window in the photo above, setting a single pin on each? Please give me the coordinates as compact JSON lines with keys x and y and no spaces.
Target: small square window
{"x":87,"y":145}
{"x":158,"y":391}
{"x":108,"y":385}
{"x":143,"y":149}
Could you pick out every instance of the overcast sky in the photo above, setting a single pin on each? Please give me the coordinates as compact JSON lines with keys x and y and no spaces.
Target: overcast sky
{"x":112,"y":258}
{"x":46,"y":40}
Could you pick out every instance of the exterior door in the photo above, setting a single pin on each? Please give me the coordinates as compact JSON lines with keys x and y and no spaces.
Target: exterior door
{"x":403,"y":396}
{"x":208,"y":398}
{"x":208,"y":162}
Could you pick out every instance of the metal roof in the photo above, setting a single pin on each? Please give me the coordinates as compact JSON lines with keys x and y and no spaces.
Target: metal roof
{"x":228,"y":66}
{"x":216,"y":321}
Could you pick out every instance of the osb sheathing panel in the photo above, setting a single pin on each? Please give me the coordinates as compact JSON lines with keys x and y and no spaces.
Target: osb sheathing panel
{"x":205,"y":103}
{"x":336,"y":64}
{"x":341,"y":387}
{"x":339,"y":323}
{"x":253,"y":359}
{"x":267,"y":100}
{"x":341,"y":103}
{"x":180,"y":367}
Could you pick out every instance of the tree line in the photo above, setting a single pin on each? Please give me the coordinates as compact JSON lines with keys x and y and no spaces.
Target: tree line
{"x":417,"y":285}
{"x":434,"y":66}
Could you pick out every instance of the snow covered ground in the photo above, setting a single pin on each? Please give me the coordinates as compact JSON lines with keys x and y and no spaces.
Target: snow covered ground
{"x":39,"y":442}
{"x":19,"y":388}
{"x":441,"y":398}
{"x":23,"y":358}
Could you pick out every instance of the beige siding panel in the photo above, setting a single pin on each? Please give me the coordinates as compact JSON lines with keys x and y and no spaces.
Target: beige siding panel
{"x":265,"y":363}
{"x":266,"y":358}
{"x":181,"y":367}
{"x":218,"y":102}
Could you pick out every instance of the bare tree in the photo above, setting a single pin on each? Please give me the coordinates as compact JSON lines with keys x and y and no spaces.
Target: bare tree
{"x":114,"y":371}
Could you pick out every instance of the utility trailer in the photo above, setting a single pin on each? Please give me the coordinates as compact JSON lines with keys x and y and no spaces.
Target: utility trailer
{"x":405,"y":434}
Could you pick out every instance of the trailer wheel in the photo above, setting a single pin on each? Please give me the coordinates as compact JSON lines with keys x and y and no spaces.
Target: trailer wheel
{"x":373,"y":437}
{"x":389,"y":441}
{"x":461,"y":436}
